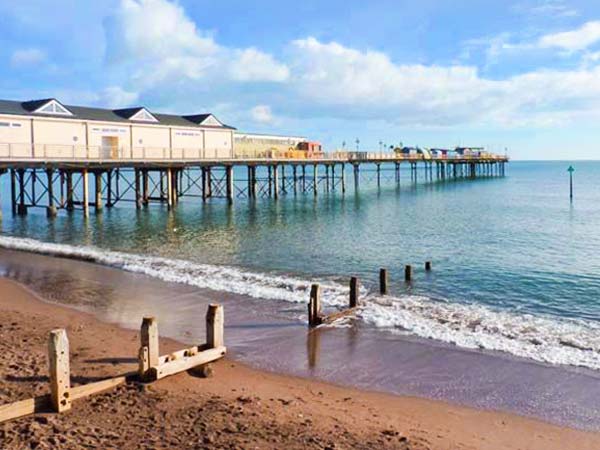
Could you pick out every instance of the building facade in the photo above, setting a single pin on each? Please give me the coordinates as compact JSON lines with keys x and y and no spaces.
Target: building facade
{"x":48,"y":129}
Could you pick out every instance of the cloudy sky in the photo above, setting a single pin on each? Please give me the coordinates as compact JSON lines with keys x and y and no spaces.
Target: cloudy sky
{"x":516,"y":74}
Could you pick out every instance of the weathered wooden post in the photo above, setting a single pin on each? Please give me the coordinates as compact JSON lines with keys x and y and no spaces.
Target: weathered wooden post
{"x":60,"y":377}
{"x":138,"y":192}
{"x":316,"y":179}
{"x":69,"y":191}
{"x":354,"y":283}
{"x":428,"y":266}
{"x":408,"y":273}
{"x":215,"y":326}
{"x":149,"y":352}
{"x":343,"y":178}
{"x":383,"y":281}
{"x":314,"y":306}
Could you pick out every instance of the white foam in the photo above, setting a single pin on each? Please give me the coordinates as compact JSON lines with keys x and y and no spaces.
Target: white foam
{"x":218,"y":278}
{"x":544,"y":339}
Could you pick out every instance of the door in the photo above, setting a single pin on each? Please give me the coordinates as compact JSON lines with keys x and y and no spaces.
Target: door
{"x":110,"y":147}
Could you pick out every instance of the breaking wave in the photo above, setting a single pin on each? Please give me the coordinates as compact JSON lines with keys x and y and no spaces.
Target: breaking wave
{"x":544,"y":339}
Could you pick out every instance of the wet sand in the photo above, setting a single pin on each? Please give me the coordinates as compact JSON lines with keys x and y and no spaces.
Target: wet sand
{"x":239,"y":407}
{"x":355,"y":356}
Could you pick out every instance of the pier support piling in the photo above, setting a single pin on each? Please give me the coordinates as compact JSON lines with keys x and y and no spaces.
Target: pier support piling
{"x":98,"y":191}
{"x":51,"y":209}
{"x":86,"y":193}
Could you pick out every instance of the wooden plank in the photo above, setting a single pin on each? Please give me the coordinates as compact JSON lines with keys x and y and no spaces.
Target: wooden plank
{"x":214,"y":326}
{"x":338,"y":315}
{"x":60,"y":376}
{"x":88,"y":389}
{"x":22,"y":408}
{"x":187,"y":362}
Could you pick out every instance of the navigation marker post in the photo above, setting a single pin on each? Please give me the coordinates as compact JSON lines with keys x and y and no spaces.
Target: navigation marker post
{"x":571,"y":170}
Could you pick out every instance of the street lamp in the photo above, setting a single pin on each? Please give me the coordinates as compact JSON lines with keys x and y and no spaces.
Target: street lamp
{"x":357,"y":143}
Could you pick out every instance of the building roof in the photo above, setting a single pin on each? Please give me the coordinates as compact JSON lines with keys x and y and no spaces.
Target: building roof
{"x":124,"y":115}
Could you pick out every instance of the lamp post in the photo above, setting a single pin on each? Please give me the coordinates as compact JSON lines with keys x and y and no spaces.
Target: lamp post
{"x":357,"y":143}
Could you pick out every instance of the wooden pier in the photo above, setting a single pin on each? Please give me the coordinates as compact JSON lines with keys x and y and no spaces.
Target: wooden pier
{"x":64,"y":184}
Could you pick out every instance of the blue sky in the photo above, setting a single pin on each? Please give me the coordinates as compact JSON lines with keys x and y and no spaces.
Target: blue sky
{"x":521,"y":74}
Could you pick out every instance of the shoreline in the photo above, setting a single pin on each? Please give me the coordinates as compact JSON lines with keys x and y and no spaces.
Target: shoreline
{"x":390,"y":421}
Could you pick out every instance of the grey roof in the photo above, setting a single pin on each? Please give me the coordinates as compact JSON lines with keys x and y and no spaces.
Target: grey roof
{"x":105,"y":115}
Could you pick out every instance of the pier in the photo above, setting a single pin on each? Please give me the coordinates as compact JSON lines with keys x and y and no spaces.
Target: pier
{"x":64,"y":157}
{"x":93,"y":184}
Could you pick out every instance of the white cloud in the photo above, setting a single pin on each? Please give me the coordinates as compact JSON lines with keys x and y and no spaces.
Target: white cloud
{"x":546,"y":8}
{"x":159,"y":53}
{"x":161,"y":45}
{"x":348,"y":83}
{"x":27,"y":57}
{"x":574,"y":40}
{"x":262,"y":114}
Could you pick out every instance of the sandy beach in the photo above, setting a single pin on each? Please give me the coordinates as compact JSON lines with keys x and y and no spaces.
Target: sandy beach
{"x":238,"y":407}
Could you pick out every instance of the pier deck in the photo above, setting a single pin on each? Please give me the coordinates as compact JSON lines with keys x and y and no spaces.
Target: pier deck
{"x":63,"y":183}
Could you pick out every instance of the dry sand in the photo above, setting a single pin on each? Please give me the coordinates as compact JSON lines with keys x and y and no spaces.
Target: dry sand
{"x":237,"y":408}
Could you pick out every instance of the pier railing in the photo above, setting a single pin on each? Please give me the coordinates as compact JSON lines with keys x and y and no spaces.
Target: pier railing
{"x":91,"y":152}
{"x":51,"y":152}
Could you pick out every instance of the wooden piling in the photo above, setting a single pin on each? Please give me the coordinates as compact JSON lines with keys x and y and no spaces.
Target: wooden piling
{"x":314,"y":306}
{"x":356,"y":177}
{"x":408,"y":273}
{"x":69,"y":191}
{"x":148,"y":346}
{"x":383,"y":281}
{"x":316,"y":179}
{"x":343,"y":178}
{"x":58,"y":360}
{"x":428,"y":266}
{"x":354,"y":290}
{"x":215,"y":326}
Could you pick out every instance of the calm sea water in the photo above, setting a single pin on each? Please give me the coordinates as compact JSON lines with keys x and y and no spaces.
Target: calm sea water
{"x":516,"y":264}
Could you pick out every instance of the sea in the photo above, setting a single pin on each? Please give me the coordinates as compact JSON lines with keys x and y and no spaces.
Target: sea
{"x":515,"y":264}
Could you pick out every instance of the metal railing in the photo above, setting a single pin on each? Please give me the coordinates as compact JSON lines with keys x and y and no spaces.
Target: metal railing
{"x":102,"y":153}
{"x":87,"y":152}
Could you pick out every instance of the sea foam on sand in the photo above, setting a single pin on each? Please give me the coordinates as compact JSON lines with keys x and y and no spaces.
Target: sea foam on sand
{"x":541,"y":338}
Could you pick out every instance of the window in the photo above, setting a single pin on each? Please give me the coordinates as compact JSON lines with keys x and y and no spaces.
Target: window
{"x":53,"y":107}
{"x":4,"y":124}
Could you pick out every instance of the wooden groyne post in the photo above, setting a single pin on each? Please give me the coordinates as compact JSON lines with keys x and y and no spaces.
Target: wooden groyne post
{"x":354,"y":288}
{"x":383,"y":281}
{"x":428,"y":266}
{"x":314,"y":306}
{"x":408,"y":273}
{"x":60,"y":374}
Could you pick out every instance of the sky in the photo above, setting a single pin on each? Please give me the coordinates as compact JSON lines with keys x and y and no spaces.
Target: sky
{"x":516,"y":76}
